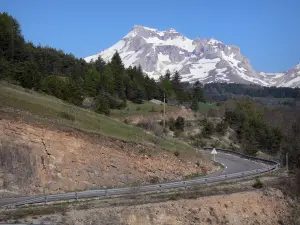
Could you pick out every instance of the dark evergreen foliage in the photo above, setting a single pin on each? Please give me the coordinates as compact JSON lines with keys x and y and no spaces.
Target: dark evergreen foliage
{"x":197,"y":95}
{"x":252,"y":130}
{"x":225,"y":91}
{"x":71,"y":79}
{"x":179,"y":123}
{"x":208,"y":129}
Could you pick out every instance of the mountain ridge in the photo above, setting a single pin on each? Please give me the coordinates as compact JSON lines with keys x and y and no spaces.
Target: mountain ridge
{"x":207,"y":60}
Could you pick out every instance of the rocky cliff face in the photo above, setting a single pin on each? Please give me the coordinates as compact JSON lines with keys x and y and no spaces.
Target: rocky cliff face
{"x":41,"y":160}
{"x":206,"y":60}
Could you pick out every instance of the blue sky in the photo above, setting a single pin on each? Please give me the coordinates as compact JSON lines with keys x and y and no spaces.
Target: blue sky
{"x":267,"y":31}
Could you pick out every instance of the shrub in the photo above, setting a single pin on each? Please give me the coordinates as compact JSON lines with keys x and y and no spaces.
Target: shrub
{"x":66,"y":116}
{"x":233,"y":147}
{"x":171,"y":124}
{"x":258,"y":184}
{"x":151,"y":125}
{"x":115,"y":103}
{"x":138,"y":101}
{"x":126,"y":121}
{"x":221,"y":127}
{"x":216,"y":144}
{"x":102,"y":104}
{"x":156,"y":140}
{"x":198,"y":163}
{"x":197,"y":142}
{"x":223,"y":146}
{"x":138,"y":108}
{"x":176,"y":153}
{"x":208,"y":129}
{"x":175,"y":197}
{"x":203,"y":143}
{"x":178,"y":133}
{"x":152,"y":109}
{"x":180,"y":123}
{"x":122,"y":104}
{"x":188,"y":124}
{"x":203,"y":122}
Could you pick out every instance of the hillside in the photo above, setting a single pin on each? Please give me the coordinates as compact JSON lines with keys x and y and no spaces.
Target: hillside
{"x":50,"y":145}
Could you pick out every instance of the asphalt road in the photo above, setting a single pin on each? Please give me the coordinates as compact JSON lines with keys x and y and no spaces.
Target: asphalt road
{"x":234,"y":167}
{"x":234,"y":164}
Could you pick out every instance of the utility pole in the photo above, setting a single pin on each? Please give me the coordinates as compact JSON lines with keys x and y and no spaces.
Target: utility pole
{"x":287,"y":162}
{"x":164,"y":124}
{"x":12,"y":41}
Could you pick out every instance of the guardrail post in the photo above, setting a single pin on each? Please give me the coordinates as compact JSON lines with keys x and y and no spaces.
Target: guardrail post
{"x":106,"y":192}
{"x":205,"y":180}
{"x":46,"y":199}
{"x":160,"y":187}
{"x":76,"y":196}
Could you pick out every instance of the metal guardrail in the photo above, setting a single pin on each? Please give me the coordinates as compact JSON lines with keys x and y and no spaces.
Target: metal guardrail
{"x":272,"y":165}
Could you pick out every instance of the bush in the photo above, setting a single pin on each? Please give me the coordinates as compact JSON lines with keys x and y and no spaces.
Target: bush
{"x":216,"y":144}
{"x":233,"y":147}
{"x":258,"y":184}
{"x":151,"y":125}
{"x":197,"y":143}
{"x":188,"y":124}
{"x":138,"y":101}
{"x":152,"y":109}
{"x":122,"y":104}
{"x":102,"y":104}
{"x":221,"y":127}
{"x":138,"y":108}
{"x":115,"y":103}
{"x":171,"y":124}
{"x":198,"y":163}
{"x":247,"y":119}
{"x":126,"y":121}
{"x":178,"y":133}
{"x":203,"y":122}
{"x":66,"y":116}
{"x":208,"y":129}
{"x":180,"y":123}
{"x":176,"y":153}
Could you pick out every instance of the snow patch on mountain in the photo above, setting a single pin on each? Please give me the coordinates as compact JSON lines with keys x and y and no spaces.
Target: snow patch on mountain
{"x":206,"y":60}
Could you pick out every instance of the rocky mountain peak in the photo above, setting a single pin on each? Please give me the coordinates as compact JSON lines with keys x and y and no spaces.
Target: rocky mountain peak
{"x":207,"y":60}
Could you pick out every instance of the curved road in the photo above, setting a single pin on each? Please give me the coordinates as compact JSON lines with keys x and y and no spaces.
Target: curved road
{"x":235,"y":164}
{"x":234,"y":167}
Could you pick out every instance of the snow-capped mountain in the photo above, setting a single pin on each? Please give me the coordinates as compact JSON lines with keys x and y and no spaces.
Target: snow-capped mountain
{"x":206,"y":60}
{"x":291,"y":78}
{"x":272,"y":78}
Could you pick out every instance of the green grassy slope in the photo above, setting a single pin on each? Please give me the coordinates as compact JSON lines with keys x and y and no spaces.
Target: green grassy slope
{"x":204,"y":107}
{"x":146,"y":109}
{"x":49,"y":109}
